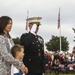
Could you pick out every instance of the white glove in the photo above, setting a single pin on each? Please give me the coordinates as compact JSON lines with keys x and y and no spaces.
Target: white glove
{"x":33,"y":29}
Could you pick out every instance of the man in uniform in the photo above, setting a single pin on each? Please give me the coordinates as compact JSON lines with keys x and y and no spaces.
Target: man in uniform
{"x":34,"y":47}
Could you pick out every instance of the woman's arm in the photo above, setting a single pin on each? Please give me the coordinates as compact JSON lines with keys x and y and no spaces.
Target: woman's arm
{"x":7,"y":56}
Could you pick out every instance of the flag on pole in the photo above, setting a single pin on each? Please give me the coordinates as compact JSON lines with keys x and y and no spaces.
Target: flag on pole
{"x":59,"y":19}
{"x":59,"y":26}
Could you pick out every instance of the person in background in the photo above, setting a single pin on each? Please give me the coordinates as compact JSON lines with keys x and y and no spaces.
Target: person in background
{"x":6,"y":58}
{"x":34,"y":48}
{"x":71,"y":58}
{"x":18,"y":53}
{"x":50,"y":62}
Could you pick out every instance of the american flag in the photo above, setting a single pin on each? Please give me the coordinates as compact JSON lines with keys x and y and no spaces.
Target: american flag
{"x":59,"y":19}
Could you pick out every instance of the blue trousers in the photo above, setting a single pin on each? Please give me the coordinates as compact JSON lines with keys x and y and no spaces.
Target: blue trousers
{"x":20,"y":73}
{"x":34,"y":74}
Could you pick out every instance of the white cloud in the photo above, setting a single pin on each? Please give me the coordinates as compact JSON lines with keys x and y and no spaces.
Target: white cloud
{"x":48,"y":10}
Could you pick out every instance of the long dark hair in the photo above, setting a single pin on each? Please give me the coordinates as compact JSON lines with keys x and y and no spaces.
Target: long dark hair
{"x":4,"y":20}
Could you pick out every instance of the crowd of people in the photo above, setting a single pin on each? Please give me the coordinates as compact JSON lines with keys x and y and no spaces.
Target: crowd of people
{"x":59,"y":62}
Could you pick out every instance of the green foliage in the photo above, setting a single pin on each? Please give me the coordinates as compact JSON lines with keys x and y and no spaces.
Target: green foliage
{"x":74,"y":32}
{"x":54,"y":44}
{"x":73,"y":29}
{"x":16,"y":40}
{"x":74,"y":39}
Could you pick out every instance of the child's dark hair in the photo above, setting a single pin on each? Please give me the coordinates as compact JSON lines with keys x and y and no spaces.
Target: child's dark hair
{"x":16,"y":48}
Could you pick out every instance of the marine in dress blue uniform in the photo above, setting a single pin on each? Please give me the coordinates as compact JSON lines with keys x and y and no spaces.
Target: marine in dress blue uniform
{"x":34,"y":50}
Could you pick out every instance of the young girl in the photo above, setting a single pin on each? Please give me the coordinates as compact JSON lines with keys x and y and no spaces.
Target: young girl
{"x":18,"y":53}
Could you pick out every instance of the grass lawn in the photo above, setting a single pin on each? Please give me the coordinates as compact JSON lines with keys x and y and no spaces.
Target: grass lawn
{"x":59,"y":74}
{"x":53,"y":73}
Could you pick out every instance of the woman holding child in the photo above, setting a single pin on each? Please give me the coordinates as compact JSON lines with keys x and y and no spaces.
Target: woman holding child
{"x":6,"y":59}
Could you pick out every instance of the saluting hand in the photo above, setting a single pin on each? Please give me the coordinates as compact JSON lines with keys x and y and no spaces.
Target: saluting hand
{"x":33,"y":29}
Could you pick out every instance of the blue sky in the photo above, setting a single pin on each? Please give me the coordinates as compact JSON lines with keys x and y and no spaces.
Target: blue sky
{"x":48,"y":10}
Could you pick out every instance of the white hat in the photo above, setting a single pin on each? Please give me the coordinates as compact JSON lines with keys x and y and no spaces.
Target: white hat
{"x":34,"y":20}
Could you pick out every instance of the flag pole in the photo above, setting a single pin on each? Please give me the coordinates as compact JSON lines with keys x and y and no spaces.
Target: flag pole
{"x":27,"y":21}
{"x":59,"y":27}
{"x":27,"y":14}
{"x":60,"y":31}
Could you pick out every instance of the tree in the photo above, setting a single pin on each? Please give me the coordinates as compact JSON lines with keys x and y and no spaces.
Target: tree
{"x":74,"y":39}
{"x":74,"y":48}
{"x":16,"y":40}
{"x":74,"y":32}
{"x":54,"y":44}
